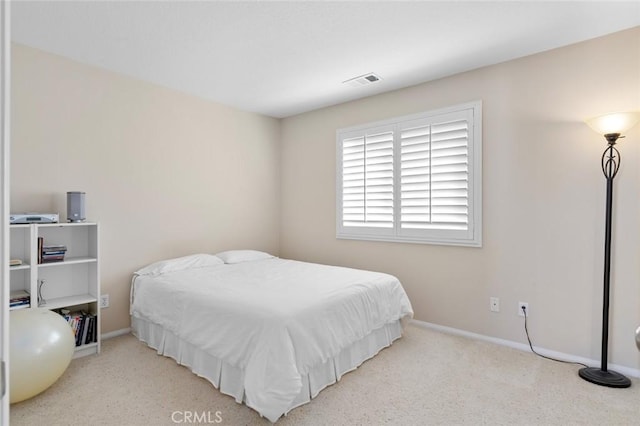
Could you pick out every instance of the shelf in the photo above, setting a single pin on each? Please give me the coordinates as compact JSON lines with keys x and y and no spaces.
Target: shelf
{"x":69,"y":261}
{"x":19,"y":267}
{"x":17,"y":308}
{"x":72,"y":283}
{"x":64,"y":224}
{"x":86,"y":349}
{"x":63,"y":302}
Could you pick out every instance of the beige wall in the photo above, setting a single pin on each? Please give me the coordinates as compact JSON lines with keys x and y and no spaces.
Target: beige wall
{"x":165,"y":174}
{"x":543,"y":195}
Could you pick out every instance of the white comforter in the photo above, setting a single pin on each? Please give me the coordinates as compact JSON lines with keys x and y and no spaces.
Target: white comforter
{"x":273,"y":318}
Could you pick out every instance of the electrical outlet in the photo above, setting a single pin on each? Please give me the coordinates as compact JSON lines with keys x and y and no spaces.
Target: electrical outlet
{"x":104,"y":301}
{"x":524,"y":305}
{"x":494,"y":304}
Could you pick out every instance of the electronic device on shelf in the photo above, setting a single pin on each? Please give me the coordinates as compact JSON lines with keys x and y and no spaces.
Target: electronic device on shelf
{"x":18,"y":218}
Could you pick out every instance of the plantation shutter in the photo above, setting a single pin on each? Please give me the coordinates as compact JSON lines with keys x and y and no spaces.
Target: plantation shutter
{"x":367,"y":180}
{"x":434,"y":176}
{"x":415,"y":179}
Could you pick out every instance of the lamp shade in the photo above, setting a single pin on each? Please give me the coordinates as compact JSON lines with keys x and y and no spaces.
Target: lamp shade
{"x":618,"y":122}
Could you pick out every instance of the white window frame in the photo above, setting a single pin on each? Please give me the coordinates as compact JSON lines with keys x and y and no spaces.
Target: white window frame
{"x":472,"y":236}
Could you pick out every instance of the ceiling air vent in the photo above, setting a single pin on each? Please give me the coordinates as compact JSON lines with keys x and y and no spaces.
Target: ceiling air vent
{"x":362,"y":80}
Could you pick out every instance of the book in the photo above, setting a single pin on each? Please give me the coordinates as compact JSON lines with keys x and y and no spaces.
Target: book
{"x":13,"y":308}
{"x":19,"y":299}
{"x":52,"y":258}
{"x":15,"y":262}
{"x":40,"y":244}
{"x":50,"y":253}
{"x":83,"y":324}
{"x":93,"y":331}
{"x":82,"y":320}
{"x":54,"y":248}
{"x":85,"y":330}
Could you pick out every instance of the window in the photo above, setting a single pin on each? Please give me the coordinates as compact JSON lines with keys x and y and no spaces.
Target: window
{"x":413,"y":179}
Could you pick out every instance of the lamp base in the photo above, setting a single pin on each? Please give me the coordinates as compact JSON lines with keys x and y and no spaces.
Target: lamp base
{"x":604,"y":378}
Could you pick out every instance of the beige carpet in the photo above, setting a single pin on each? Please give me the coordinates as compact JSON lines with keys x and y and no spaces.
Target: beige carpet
{"x":425,"y":378}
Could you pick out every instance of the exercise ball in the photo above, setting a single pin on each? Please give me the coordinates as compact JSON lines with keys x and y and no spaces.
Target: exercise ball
{"x":41,"y":345}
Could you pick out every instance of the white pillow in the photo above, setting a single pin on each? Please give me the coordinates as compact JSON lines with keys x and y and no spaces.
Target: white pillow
{"x":238,"y":256}
{"x":200,"y":260}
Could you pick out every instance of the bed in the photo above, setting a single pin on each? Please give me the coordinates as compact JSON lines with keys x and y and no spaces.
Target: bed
{"x":270,"y":332}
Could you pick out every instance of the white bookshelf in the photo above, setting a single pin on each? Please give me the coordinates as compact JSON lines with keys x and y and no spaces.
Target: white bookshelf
{"x":72,"y":284}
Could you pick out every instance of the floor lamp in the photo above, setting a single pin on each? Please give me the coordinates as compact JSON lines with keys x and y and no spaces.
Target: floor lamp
{"x":611,"y":126}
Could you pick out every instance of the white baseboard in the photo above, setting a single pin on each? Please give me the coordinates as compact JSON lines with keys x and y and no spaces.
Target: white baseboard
{"x":115,"y":333}
{"x":628,"y":371}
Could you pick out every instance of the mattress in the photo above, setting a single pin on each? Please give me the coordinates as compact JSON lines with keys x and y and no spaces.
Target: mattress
{"x":271,"y":332}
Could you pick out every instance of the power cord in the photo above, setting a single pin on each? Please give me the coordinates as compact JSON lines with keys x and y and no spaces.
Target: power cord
{"x":524,"y":310}
{"x":41,"y":300}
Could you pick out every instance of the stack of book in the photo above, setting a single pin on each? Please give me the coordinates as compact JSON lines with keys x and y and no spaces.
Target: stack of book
{"x":84,"y":325}
{"x":53,"y":253}
{"x":19,"y":300}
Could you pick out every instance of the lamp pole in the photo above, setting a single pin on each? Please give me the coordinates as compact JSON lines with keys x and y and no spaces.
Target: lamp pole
{"x":602,"y":376}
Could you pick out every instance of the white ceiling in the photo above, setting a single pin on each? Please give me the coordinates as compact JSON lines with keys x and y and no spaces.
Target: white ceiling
{"x":285,"y":58}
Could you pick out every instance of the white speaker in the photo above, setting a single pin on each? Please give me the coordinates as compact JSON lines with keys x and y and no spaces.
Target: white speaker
{"x":75,"y":206}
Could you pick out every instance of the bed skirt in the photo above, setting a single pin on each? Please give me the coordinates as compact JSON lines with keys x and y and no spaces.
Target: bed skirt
{"x":229,"y":379}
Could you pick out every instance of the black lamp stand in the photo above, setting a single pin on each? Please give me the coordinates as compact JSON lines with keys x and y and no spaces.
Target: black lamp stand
{"x":602,"y":376}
